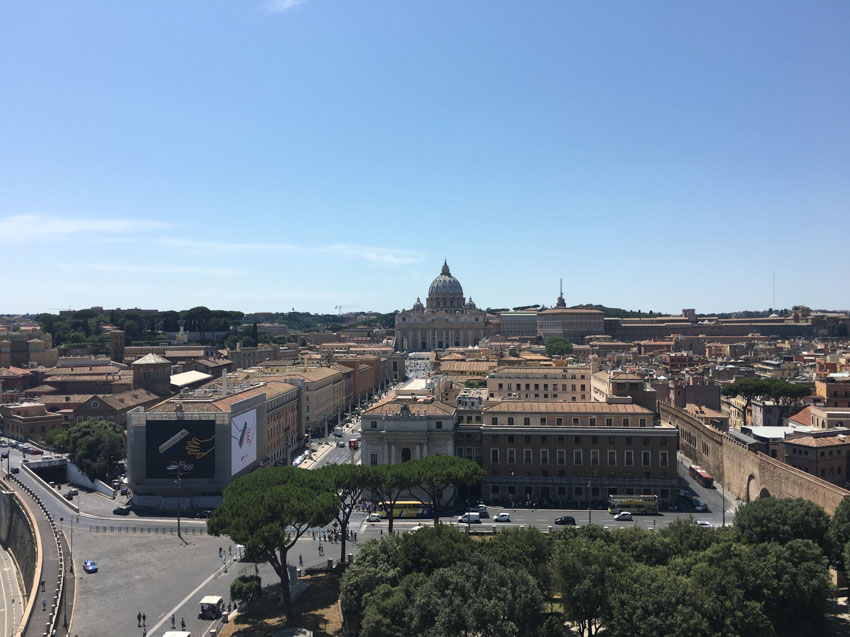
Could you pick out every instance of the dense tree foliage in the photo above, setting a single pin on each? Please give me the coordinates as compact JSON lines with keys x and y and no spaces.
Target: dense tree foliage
{"x":268,"y":510}
{"x":246,"y":588}
{"x":779,"y":390}
{"x":558,"y":346}
{"x":434,"y":474}
{"x":682,"y":580}
{"x":95,"y":446}
{"x":347,"y":482}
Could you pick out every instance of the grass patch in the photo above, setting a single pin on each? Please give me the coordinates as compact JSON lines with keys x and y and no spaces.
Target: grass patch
{"x":316,"y":610}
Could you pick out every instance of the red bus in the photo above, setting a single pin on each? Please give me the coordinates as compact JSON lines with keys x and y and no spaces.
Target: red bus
{"x":701,"y":476}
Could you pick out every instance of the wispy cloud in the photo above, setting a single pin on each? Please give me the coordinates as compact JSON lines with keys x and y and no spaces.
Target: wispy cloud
{"x":146,"y":269}
{"x":16,"y":228}
{"x":279,"y":6}
{"x":388,"y":256}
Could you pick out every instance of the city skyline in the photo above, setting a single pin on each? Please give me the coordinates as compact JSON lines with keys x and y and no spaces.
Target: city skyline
{"x":268,"y":155}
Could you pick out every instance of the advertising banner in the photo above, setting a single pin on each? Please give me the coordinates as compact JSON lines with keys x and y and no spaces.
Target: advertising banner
{"x":185,"y":447}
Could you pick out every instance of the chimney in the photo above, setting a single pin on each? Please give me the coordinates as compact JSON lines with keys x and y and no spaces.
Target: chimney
{"x":224,"y":380}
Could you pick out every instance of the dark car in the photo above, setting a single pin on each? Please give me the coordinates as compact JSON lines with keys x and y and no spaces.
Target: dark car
{"x":124,"y":510}
{"x":565,"y":520}
{"x":204,"y":514}
{"x":15,"y":470}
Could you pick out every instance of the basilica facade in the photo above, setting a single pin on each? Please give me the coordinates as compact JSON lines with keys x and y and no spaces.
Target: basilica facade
{"x":446,"y":320}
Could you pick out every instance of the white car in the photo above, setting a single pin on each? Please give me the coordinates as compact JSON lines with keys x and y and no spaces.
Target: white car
{"x":416,"y":528}
{"x":704,"y":524}
{"x":504,"y":516}
{"x":623,"y":516}
{"x":373,"y":517}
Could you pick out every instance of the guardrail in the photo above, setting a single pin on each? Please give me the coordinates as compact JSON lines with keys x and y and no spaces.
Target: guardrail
{"x":59,"y":591}
{"x":161,"y":530}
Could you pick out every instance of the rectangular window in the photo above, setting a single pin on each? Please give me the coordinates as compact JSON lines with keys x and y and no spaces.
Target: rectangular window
{"x":562,"y":456}
{"x":592,"y":421}
{"x":609,"y":422}
{"x":542,"y":420}
{"x":575,"y":421}
{"x":629,"y":457}
{"x":642,"y":422}
{"x":526,"y":456}
{"x":494,"y":421}
{"x":494,"y":455}
{"x":594,"y":457}
{"x":577,"y":457}
{"x":662,"y":458}
{"x":612,"y":458}
{"x":373,"y":459}
{"x":544,"y":456}
{"x":439,"y":424}
{"x":625,"y":422}
{"x":647,"y":458}
{"x":510,"y":439}
{"x":526,"y":421}
{"x":510,"y":421}
{"x":374,"y":424}
{"x":511,"y":456}
{"x":559,"y":421}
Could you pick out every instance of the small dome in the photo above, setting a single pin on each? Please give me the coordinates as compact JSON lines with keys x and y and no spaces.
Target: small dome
{"x":470,"y":305}
{"x":418,"y":307}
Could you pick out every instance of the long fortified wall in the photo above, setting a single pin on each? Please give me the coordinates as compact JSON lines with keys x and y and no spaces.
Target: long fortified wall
{"x":745,"y":470}
{"x":18,"y":537}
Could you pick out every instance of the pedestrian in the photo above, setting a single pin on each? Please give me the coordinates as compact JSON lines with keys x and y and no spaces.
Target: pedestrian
{"x":230,"y":548}
{"x":219,"y":551}
{"x":43,"y":604}
{"x":145,"y":632}
{"x":139,"y":618}
{"x":144,"y":620}
{"x":182,"y":624}
{"x":300,"y":560}
{"x":382,"y":531}
{"x":173,"y":622}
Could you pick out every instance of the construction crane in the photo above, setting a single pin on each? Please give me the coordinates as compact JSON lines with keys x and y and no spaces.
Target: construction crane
{"x":340,"y":308}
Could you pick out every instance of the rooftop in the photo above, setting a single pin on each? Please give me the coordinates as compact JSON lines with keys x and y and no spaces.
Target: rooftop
{"x":543,"y":407}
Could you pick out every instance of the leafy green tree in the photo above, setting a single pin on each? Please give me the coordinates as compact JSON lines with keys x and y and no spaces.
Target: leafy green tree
{"x":648,"y":601}
{"x":558,"y":346}
{"x":586,"y":570}
{"x":644,"y":547}
{"x":782,"y":520}
{"x":268,"y":510}
{"x":685,"y":537}
{"x":775,"y":388}
{"x":95,"y":446}
{"x":433,"y":548}
{"x":390,"y":482}
{"x":839,"y":532}
{"x":528,"y":549}
{"x":378,"y":562}
{"x":435,"y":474}
{"x":58,"y":440}
{"x":385,"y":613}
{"x":347,"y":482}
{"x":246,"y":588}
{"x":476,"y":597}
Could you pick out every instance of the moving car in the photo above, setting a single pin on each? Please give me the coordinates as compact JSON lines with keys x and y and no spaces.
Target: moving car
{"x":90,"y":566}
{"x":124,"y":510}
{"x":565,"y":520}
{"x":704,"y":524}
{"x":504,"y":516}
{"x":15,"y":470}
{"x":373,"y":517}
{"x":5,"y":454}
{"x":623,"y":516}
{"x":36,"y":452}
{"x":418,"y":527}
{"x":470,"y":517}
{"x":73,"y":492}
{"x":212,"y":606}
{"x":699,"y":507}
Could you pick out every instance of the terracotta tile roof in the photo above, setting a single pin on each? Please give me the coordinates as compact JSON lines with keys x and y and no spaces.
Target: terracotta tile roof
{"x":544,"y":407}
{"x":818,"y":441}
{"x":393,"y":407}
{"x":803,"y":417}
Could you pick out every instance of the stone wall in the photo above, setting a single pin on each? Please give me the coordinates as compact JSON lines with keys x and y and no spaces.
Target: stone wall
{"x":16,"y":536}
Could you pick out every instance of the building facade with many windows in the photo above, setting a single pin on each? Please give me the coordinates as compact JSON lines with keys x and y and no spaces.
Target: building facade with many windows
{"x":565,"y":453}
{"x":571,"y":384}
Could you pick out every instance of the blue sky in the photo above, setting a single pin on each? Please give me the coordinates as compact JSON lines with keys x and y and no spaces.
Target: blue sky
{"x":264,"y":155}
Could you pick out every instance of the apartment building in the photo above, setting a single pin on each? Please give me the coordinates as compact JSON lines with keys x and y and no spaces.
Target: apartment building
{"x":834,"y":389}
{"x":822,"y":454}
{"x":569,"y":384}
{"x":566,"y":453}
{"x":23,"y":421}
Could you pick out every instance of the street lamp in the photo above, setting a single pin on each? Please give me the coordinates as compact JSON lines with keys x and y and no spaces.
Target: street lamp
{"x":588,"y":503}
{"x":179,"y":480}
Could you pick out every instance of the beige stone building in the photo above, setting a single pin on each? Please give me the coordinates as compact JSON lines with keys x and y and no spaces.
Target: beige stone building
{"x":570,"y":384}
{"x":398,"y":430}
{"x":24,"y":421}
{"x":446,"y":320}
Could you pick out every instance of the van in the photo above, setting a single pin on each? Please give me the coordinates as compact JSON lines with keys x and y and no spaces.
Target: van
{"x":177,"y":633}
{"x":469,"y":517}
{"x":212,"y":607}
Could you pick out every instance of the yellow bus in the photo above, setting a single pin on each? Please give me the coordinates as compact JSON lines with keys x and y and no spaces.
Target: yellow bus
{"x":642,"y":504}
{"x":408,"y":509}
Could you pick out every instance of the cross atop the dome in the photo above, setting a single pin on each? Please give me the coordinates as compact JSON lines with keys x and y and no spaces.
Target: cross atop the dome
{"x":445,"y":267}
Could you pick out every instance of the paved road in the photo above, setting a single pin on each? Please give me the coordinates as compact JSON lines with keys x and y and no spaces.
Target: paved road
{"x":11,"y":596}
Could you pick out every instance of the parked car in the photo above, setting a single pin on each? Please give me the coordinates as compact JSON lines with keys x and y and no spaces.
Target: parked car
{"x":204,"y":514}
{"x":418,"y":527}
{"x":124,"y":510}
{"x":341,"y":443}
{"x":69,"y":495}
{"x":73,"y":492}
{"x":373,"y":517}
{"x":15,"y":470}
{"x":699,"y":506}
{"x":704,"y":524}
{"x":623,"y":516}
{"x":565,"y":520}
{"x":36,"y":452}
{"x":125,"y":490}
{"x":90,"y":566}
{"x":5,"y":454}
{"x":504,"y":516}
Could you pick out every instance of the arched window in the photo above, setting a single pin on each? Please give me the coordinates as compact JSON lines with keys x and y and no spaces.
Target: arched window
{"x":405,"y":454}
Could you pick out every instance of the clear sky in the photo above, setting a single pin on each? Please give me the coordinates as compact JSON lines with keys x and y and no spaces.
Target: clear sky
{"x":268,"y":154}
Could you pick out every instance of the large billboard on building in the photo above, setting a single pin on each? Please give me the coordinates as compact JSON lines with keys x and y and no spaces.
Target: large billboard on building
{"x":180,"y":447}
{"x":243,"y":443}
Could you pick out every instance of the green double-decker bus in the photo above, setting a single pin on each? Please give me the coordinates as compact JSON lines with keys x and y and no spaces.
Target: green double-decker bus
{"x":638,"y":504}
